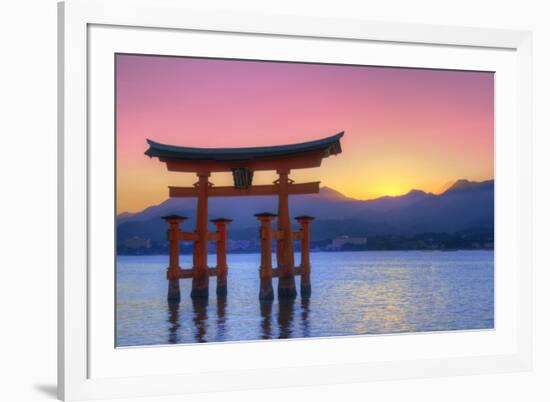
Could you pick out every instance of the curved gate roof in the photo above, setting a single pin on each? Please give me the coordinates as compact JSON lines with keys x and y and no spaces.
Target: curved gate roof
{"x":329,"y":146}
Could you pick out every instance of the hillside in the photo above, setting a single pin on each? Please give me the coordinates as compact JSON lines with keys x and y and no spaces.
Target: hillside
{"x":465,"y":205}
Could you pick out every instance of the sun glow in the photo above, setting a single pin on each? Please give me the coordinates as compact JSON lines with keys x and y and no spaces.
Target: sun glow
{"x":404,"y":129}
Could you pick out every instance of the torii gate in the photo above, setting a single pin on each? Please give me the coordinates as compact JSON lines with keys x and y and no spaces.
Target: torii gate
{"x":242,"y":162}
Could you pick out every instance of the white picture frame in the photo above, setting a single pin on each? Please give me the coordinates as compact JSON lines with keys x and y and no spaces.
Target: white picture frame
{"x":77,"y":19}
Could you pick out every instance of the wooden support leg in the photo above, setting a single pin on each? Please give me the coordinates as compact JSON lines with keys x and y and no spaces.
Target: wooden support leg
{"x":221,"y":255}
{"x":285,"y":247}
{"x":305,"y":284}
{"x":174,"y":221}
{"x":199,"y":287}
{"x":266,"y":268}
{"x":174,"y":295}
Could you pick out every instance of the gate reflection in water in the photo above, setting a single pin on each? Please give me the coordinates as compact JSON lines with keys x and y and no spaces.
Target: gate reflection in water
{"x":354,"y":293}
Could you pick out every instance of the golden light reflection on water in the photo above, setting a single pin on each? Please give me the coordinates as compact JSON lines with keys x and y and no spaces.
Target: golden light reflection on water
{"x":391,"y":302}
{"x":383,"y":305}
{"x":353,"y":294}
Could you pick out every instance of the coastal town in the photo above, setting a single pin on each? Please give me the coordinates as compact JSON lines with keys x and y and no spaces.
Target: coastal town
{"x":471,"y":240}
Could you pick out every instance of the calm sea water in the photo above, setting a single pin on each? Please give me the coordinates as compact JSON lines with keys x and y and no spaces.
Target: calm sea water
{"x":353,"y":293}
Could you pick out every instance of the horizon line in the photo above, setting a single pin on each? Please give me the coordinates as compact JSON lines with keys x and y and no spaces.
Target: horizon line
{"x":351,"y":198}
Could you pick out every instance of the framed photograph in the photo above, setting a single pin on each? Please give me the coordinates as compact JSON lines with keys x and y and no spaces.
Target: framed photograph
{"x":250,"y":201}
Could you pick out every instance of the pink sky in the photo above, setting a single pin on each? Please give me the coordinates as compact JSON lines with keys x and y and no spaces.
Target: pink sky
{"x":405,"y":128}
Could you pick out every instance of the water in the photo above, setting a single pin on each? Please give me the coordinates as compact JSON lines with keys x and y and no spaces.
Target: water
{"x":353,"y":293}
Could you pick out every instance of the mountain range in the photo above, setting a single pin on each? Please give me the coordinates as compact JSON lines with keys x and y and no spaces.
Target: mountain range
{"x":466,"y":205}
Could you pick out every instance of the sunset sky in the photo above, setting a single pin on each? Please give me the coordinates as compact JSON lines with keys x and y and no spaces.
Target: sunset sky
{"x":404,"y":128}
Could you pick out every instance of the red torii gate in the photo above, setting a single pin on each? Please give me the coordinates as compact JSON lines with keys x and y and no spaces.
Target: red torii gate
{"x":242,"y":162}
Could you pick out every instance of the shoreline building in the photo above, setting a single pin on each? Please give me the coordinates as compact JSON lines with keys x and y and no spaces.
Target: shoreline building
{"x":136,"y":242}
{"x":340,"y":241}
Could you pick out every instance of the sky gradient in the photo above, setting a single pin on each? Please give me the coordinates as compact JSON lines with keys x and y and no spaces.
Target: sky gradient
{"x":405,"y":128}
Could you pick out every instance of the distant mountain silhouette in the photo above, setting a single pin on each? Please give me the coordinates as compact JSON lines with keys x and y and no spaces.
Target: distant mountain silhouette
{"x":465,"y":205}
{"x":463,"y":184}
{"x":335,"y":195}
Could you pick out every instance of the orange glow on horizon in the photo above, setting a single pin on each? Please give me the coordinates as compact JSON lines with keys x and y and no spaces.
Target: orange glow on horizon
{"x":404,"y":129}
{"x":133,"y":197}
